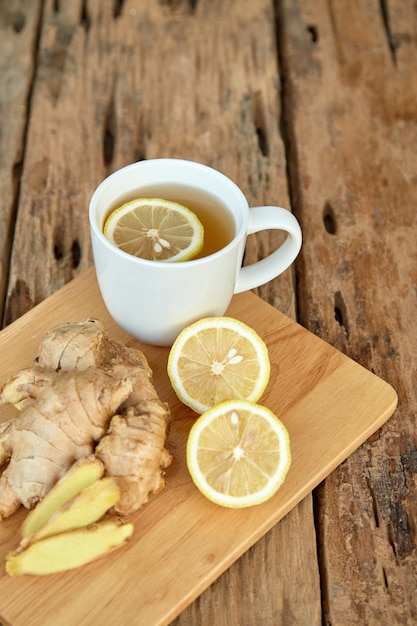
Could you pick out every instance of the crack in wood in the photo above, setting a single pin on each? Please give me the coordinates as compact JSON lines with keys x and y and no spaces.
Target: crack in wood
{"x":385,"y":578}
{"x":321,"y":548}
{"x":286,"y":120}
{"x":313,"y":32}
{"x":340,"y":312}
{"x":85,"y":19}
{"x":390,"y":488}
{"x":75,"y":254}
{"x":188,"y":6}
{"x":16,"y":20}
{"x":58,"y":252}
{"x":260,"y":125}
{"x":374,"y":501}
{"x":117,"y":8}
{"x":329,"y":219}
{"x":109,"y":133}
{"x":386,"y":22}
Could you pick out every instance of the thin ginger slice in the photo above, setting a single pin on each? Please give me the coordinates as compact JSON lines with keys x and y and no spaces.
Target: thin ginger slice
{"x":84,"y":509}
{"x":81,"y":475}
{"x":68,"y":550}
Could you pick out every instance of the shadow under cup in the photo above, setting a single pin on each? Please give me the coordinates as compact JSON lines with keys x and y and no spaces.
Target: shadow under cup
{"x":155,"y":300}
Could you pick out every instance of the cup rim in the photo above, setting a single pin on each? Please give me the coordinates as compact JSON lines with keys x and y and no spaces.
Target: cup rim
{"x":101,"y":187}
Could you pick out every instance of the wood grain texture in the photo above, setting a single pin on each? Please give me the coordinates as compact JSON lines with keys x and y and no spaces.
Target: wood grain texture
{"x":182,"y":541}
{"x":322,"y":91}
{"x":19,"y":24}
{"x":350,"y":107}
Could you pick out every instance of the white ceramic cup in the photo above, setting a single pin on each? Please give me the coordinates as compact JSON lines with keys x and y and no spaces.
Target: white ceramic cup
{"x":155,"y":300}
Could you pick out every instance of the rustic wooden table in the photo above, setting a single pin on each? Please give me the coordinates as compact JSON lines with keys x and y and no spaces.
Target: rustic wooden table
{"x":306,"y":103}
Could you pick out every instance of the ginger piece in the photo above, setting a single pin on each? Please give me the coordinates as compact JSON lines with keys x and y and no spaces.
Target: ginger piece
{"x":84,"y":509}
{"x":22,"y":389}
{"x":68,"y":417}
{"x":68,"y":550}
{"x":73,"y":346}
{"x":80,"y":381}
{"x":76,"y":346}
{"x":82,"y":474}
{"x":77,"y":501}
{"x":133,"y":453}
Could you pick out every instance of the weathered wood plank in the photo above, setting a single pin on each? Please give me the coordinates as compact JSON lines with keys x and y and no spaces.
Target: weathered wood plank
{"x":51,"y":243}
{"x":351,"y":89}
{"x":19,"y":22}
{"x":118,"y":82}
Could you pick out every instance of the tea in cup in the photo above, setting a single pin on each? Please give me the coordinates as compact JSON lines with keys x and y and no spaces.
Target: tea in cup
{"x":154,"y":300}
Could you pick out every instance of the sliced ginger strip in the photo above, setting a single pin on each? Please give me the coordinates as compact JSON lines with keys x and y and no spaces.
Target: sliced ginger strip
{"x":84,"y":509}
{"x":68,"y":550}
{"x":82,"y":474}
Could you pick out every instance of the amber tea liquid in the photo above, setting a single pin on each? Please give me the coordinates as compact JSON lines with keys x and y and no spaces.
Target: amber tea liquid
{"x":218,"y":224}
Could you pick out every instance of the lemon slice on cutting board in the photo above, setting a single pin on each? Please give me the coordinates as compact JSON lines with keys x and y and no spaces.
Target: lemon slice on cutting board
{"x":238,"y":454}
{"x":217,"y":359}
{"x":155,"y":229}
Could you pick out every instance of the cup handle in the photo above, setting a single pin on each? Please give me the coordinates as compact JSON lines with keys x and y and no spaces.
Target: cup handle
{"x":261,"y":272}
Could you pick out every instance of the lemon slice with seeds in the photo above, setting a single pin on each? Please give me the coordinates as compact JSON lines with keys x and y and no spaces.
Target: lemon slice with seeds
{"x":155,"y":229}
{"x":216,"y":359}
{"x":238,"y":453}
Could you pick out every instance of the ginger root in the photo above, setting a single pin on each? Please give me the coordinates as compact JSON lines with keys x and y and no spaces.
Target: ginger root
{"x":83,"y":389}
{"x":133,"y":449}
{"x":61,"y":426}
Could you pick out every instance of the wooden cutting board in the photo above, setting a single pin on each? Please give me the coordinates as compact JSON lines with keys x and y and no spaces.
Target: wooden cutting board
{"x":182,"y":542}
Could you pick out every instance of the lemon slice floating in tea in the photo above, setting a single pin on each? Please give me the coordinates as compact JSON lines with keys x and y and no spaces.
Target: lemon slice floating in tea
{"x":216,"y":359}
{"x":155,"y":229}
{"x":238,"y":453}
